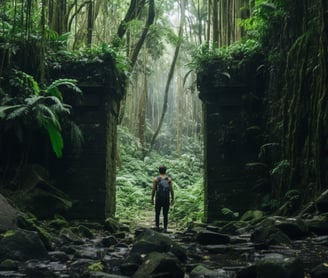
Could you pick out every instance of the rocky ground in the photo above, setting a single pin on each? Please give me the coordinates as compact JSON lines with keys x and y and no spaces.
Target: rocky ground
{"x":255,"y":246}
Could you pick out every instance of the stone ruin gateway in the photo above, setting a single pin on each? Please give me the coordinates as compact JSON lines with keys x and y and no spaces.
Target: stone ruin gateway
{"x":232,"y":104}
{"x":232,"y":133}
{"x":88,"y":175}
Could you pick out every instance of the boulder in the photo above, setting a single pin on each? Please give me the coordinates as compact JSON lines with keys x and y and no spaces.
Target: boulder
{"x":282,"y":268}
{"x":22,"y":245}
{"x":160,"y":265}
{"x":318,"y":224}
{"x":319,"y":271}
{"x":151,"y":241}
{"x":252,"y":216}
{"x":201,"y":271}
{"x":294,"y":228}
{"x":40,"y":197}
{"x":112,"y":225}
{"x":206,"y":237}
{"x":8,"y":215}
{"x":267,"y":233}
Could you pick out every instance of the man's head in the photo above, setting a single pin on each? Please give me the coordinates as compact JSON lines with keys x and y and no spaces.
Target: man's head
{"x":162,"y":169}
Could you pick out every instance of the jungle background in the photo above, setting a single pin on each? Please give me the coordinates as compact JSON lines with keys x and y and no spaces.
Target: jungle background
{"x":160,"y":47}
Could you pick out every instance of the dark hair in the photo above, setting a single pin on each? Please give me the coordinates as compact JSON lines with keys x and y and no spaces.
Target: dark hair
{"x":162,"y":169}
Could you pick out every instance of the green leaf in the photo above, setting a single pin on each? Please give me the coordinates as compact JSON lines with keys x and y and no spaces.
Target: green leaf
{"x":56,"y":139}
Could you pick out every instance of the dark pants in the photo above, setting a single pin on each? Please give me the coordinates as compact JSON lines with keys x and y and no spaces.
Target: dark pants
{"x":158,"y":206}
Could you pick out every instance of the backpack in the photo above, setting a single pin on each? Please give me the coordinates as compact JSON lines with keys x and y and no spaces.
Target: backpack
{"x":163,"y":189}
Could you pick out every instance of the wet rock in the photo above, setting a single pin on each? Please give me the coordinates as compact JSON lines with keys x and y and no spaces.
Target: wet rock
{"x":294,"y":228}
{"x":247,"y":272}
{"x":252,"y":216}
{"x":266,"y":233}
{"x":27,"y":222}
{"x":282,"y":268}
{"x":109,"y":240}
{"x":8,"y":264}
{"x":201,"y":271}
{"x":320,"y":271}
{"x":111,"y":225}
{"x":207,"y":237}
{"x":22,"y":245}
{"x":99,"y":274}
{"x":151,"y":241}
{"x":318,"y":224}
{"x":59,"y":256}
{"x":232,"y":227}
{"x":8,"y":215}
{"x":160,"y":265}
{"x":68,"y":235}
{"x":85,"y":231}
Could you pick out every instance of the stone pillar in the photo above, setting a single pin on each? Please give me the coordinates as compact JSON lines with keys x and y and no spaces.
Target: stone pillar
{"x":231,"y":136}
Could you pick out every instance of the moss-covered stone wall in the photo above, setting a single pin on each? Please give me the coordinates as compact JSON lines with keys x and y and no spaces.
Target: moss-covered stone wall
{"x":88,"y":174}
{"x":233,"y":127}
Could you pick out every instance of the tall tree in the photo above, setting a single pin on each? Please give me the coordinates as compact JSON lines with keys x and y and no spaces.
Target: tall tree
{"x":171,"y":72}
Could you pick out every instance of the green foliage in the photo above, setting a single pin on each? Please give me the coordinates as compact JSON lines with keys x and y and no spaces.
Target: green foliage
{"x":264,"y":25}
{"x":98,"y":266}
{"x":134,"y":182}
{"x":238,"y":52}
{"x":281,"y":167}
{"x":28,"y":107}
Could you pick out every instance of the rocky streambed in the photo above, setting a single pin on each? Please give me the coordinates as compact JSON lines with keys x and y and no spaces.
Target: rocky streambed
{"x":252,"y":246}
{"x":80,"y":249}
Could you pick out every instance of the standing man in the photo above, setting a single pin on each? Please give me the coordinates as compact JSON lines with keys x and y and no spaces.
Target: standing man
{"x":162,"y":187}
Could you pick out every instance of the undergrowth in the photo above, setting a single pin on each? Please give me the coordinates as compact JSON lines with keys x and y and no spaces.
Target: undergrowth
{"x":134,"y":183}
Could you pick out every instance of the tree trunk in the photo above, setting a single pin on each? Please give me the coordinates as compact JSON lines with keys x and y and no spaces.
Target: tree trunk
{"x":170,"y":75}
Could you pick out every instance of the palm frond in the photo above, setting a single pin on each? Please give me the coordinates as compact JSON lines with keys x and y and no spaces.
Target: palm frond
{"x":70,"y":83}
{"x":4,"y":110}
{"x":20,"y":111}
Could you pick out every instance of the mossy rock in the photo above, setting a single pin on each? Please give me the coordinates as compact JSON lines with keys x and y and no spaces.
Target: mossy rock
{"x":30,"y":223}
{"x":111,"y":225}
{"x":8,"y":264}
{"x":233,"y":226}
{"x":160,"y":265}
{"x":266,"y":232}
{"x":252,"y":216}
{"x":22,"y":245}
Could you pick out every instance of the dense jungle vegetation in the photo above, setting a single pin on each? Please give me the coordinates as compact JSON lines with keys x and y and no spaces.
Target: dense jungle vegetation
{"x":155,"y":50}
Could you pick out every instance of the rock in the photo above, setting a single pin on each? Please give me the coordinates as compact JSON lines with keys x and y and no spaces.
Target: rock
{"x":111,"y":225}
{"x":318,"y":224}
{"x":252,"y":216}
{"x":233,"y":226}
{"x":319,"y":271}
{"x":247,"y":272}
{"x":207,"y":237}
{"x":266,"y":233}
{"x":22,"y":245}
{"x":282,"y":268}
{"x":68,"y":235}
{"x":30,"y":223}
{"x":39,"y":196}
{"x":99,"y":274}
{"x":152,"y":241}
{"x":8,"y":264}
{"x":201,"y":271}
{"x":322,"y":202}
{"x":160,"y":265}
{"x":8,"y":215}
{"x":109,"y":241}
{"x":294,"y":228}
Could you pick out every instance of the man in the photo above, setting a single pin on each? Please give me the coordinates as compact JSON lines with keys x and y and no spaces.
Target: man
{"x":162,"y":187}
